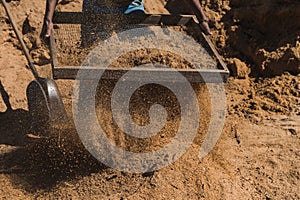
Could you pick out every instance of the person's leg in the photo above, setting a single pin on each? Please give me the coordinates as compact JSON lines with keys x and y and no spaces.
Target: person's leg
{"x":90,"y":33}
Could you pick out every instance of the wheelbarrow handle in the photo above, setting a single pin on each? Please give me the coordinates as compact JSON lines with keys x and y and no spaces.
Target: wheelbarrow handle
{"x":25,"y":50}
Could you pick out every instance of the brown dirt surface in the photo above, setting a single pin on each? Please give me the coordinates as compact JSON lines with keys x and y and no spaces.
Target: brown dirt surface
{"x":256,"y":157}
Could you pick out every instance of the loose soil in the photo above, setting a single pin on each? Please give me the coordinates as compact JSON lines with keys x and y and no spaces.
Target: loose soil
{"x":256,"y":157}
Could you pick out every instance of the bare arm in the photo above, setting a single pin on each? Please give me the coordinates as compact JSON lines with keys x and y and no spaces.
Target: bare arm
{"x":48,"y":25}
{"x":198,"y":11}
{"x":50,"y":9}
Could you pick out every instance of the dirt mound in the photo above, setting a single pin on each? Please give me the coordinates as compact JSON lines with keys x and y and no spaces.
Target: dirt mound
{"x":255,"y":99}
{"x":264,"y":34}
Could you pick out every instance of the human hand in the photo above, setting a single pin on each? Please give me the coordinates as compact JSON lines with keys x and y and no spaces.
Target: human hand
{"x":205,"y":27}
{"x":47,"y":28}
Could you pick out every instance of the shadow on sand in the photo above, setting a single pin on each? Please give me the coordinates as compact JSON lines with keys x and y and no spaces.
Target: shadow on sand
{"x":38,"y":163}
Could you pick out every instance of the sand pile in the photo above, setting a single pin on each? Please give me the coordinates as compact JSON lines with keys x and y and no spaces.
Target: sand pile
{"x":251,"y":160}
{"x":264,"y":34}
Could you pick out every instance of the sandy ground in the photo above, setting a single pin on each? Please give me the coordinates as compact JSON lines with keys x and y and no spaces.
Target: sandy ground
{"x":256,"y":157}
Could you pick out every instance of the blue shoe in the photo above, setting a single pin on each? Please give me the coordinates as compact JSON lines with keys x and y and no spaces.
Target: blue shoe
{"x":135,"y":6}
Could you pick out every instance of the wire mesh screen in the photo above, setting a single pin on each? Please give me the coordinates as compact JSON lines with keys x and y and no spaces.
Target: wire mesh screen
{"x":67,"y":35}
{"x":75,"y":41}
{"x":68,"y":44}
